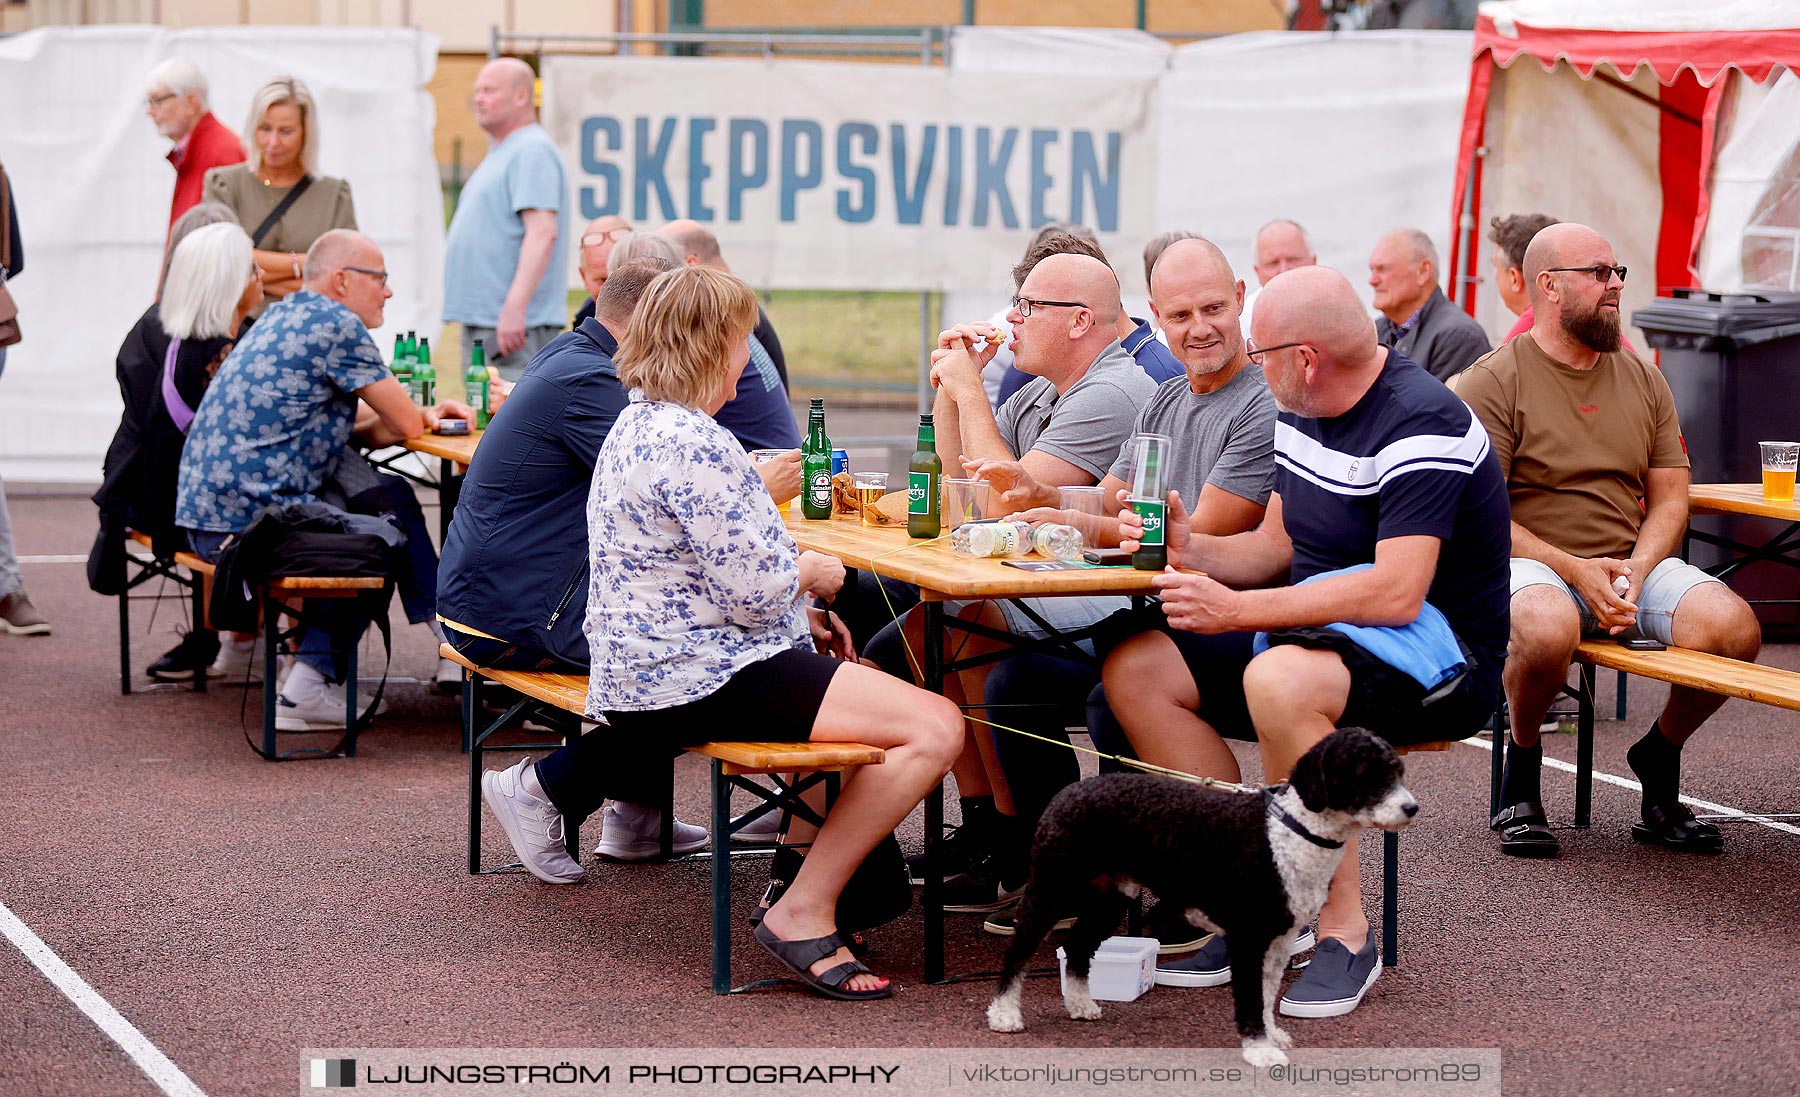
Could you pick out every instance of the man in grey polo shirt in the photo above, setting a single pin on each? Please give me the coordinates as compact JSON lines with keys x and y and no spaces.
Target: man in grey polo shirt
{"x":1221,"y":418}
{"x":1063,"y":428}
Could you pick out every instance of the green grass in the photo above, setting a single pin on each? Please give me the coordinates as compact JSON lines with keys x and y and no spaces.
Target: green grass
{"x":843,"y":337}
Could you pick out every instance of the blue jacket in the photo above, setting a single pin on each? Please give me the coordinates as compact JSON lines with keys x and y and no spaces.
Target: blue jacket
{"x":515,"y":562}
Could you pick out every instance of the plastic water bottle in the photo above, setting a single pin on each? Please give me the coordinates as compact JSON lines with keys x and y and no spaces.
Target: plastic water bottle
{"x":991,"y":539}
{"x":1057,"y":541}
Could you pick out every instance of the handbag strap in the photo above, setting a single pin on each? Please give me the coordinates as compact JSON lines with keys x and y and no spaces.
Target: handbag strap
{"x":262,"y":230}
{"x":5,"y":225}
{"x":177,"y":407}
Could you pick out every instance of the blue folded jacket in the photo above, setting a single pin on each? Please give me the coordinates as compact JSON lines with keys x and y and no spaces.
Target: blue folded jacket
{"x":1425,"y":650}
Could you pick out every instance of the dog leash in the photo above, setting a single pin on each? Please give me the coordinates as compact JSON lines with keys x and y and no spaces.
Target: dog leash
{"x":1133,"y":763}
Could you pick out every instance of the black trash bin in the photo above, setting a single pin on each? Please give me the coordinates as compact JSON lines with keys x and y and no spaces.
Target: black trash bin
{"x":1733,"y":363}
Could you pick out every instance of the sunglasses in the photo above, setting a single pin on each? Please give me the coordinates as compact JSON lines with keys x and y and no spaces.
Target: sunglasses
{"x":1601,"y":272}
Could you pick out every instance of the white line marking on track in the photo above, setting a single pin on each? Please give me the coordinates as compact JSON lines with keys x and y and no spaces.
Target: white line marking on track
{"x":1628,"y":783}
{"x":82,"y":559}
{"x":167,"y":1076}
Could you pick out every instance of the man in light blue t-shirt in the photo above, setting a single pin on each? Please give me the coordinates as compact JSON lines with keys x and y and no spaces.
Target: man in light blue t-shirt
{"x":505,"y":263}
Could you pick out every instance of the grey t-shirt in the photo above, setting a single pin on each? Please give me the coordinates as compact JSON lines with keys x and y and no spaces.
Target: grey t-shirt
{"x":1086,"y":425}
{"x":1225,"y":437}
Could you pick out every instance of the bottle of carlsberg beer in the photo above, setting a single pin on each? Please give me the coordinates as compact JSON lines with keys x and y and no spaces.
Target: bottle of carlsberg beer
{"x":475,"y":385}
{"x":1148,"y":497}
{"x":815,"y":465}
{"x":924,"y":475}
{"x":424,"y":376}
{"x":403,"y":363}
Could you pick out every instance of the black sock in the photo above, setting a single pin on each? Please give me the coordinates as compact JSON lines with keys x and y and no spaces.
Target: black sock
{"x":978,"y":817}
{"x":1520,"y":781}
{"x":1657,"y":763}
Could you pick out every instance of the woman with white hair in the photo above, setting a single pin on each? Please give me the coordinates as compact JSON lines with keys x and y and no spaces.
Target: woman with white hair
{"x":164,"y":367}
{"x":277,"y":193}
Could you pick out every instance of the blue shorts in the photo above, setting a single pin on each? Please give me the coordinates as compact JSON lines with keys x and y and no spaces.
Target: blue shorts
{"x":1668,"y":583}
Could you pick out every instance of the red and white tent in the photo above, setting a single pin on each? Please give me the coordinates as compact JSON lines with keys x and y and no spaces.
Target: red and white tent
{"x":1612,"y":113}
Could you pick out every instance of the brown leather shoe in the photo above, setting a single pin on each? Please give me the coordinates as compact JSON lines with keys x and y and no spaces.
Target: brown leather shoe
{"x":19,"y":617}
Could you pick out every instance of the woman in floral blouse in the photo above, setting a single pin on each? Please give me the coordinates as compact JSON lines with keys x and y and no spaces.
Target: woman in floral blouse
{"x":698,"y":615}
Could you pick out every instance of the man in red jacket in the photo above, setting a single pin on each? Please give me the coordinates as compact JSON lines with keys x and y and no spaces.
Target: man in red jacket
{"x":175,"y":99}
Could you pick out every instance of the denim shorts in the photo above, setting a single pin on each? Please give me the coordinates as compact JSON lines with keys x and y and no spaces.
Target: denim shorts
{"x":1668,"y":583}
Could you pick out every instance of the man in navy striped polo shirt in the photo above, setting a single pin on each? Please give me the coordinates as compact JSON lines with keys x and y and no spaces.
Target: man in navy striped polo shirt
{"x":1380,"y":468}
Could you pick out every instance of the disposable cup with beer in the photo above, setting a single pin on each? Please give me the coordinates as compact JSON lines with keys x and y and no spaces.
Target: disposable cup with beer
{"x":1778,"y":462}
{"x":762,"y":456}
{"x":965,"y":500}
{"x":1149,"y":487}
{"x":870,"y":487}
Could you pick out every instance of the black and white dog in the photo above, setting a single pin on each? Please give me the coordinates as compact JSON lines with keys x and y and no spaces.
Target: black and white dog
{"x":1254,"y":867}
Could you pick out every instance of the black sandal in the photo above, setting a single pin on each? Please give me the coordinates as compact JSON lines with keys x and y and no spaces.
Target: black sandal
{"x":1524,"y":831}
{"x":799,"y":956}
{"x":1673,"y":826}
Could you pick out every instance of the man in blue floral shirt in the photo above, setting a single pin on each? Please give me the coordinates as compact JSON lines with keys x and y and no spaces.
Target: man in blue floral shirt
{"x":280,"y":411}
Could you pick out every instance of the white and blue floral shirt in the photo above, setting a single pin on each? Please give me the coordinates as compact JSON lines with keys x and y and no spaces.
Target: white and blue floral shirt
{"x":694,"y":576}
{"x":276,"y":416}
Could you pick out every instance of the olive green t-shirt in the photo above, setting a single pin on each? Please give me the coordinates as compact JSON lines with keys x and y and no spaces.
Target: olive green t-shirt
{"x":1576,"y":446}
{"x":325,"y":206}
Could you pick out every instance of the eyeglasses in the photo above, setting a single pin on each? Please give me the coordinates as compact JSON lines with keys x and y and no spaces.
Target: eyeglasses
{"x":1026,"y":304}
{"x":154,"y":101}
{"x":379,"y":275}
{"x":593,"y":238}
{"x":1601,"y":272}
{"x":1255,"y":354}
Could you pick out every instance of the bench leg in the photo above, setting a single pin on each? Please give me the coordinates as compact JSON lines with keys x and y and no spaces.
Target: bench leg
{"x":721,"y":879}
{"x":1584,"y":748}
{"x":1390,"y":898}
{"x":197,"y":592}
{"x":124,"y":634}
{"x":471,"y":682}
{"x":1620,"y":708}
{"x":351,"y":696}
{"x":1498,"y":770}
{"x":271,"y":633}
{"x":932,"y":894}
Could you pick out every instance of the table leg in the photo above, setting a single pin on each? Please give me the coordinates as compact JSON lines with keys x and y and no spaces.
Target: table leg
{"x":934,"y":808}
{"x":449,"y":490}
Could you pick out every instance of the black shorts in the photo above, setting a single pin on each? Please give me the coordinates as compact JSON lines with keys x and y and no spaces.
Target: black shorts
{"x":776,"y":699}
{"x":1382,"y":699}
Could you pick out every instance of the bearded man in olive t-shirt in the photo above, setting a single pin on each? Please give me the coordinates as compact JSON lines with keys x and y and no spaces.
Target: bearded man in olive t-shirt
{"x":1584,"y":430}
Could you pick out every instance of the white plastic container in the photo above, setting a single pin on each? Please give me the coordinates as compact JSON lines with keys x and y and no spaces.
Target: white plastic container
{"x":1122,"y":970}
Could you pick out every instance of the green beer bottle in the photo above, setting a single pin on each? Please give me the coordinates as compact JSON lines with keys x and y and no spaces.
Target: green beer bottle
{"x":403,"y":363}
{"x":424,"y":377}
{"x":815,"y":466}
{"x":475,"y":384}
{"x":924,"y":477}
{"x":1148,"y":499}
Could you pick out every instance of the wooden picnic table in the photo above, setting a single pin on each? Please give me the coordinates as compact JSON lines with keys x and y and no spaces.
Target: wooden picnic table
{"x":454,"y":452}
{"x":1745,"y":499}
{"x":943,"y":575}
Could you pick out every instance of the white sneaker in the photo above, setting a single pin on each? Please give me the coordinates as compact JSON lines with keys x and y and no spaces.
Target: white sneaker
{"x":320,"y":710}
{"x":531,"y":821}
{"x":449,"y":676}
{"x":641,"y":840}
{"x":235,"y":663}
{"x":763,"y":831}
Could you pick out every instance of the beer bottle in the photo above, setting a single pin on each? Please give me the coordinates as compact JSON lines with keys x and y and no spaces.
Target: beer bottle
{"x":815,"y":465}
{"x":1148,"y":499}
{"x":924,"y":475}
{"x":424,"y":377}
{"x":403,"y":363}
{"x":475,"y":384}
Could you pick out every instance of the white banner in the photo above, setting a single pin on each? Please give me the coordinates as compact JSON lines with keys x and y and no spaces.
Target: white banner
{"x":93,"y":191}
{"x":820,"y":175}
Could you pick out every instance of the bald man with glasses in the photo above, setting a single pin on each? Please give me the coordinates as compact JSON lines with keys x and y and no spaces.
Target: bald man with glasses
{"x":1584,"y":430}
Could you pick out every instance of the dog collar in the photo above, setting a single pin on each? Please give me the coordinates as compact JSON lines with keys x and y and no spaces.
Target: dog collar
{"x":1293,"y":824}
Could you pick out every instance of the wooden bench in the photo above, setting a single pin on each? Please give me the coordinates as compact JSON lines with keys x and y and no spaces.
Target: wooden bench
{"x":276,"y":596}
{"x":1676,"y":666}
{"x":562,"y":699}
